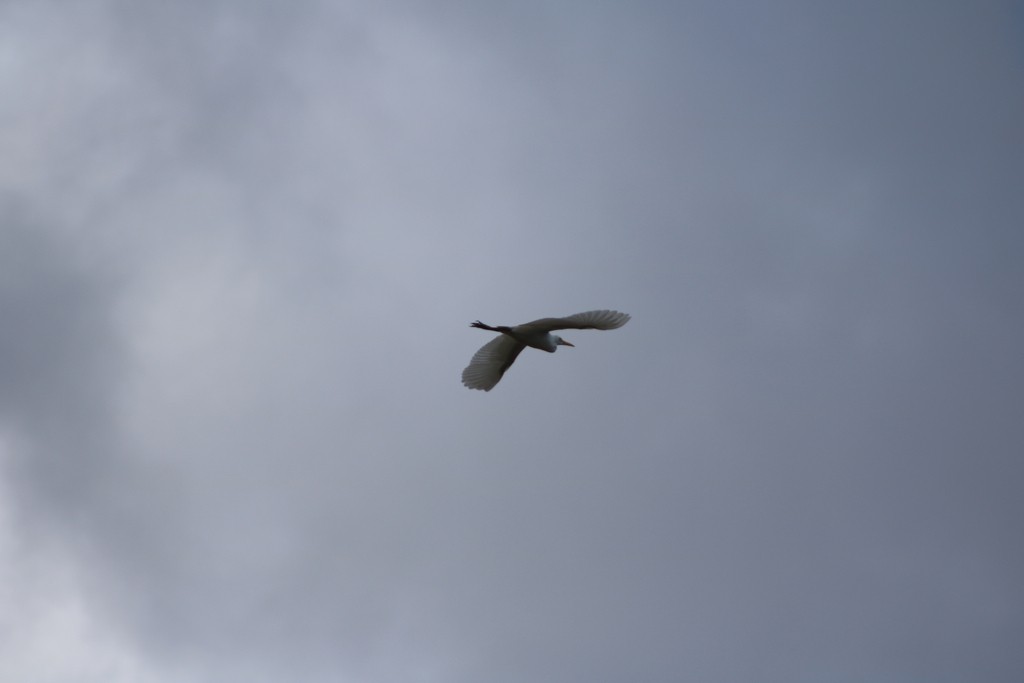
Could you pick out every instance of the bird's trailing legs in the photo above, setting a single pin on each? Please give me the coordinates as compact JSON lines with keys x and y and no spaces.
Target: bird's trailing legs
{"x":505,"y":329}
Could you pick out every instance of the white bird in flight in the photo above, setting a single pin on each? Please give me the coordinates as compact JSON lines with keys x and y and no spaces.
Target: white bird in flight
{"x":497,"y":355}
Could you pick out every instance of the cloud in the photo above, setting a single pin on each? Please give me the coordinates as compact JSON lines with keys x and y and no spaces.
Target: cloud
{"x":243,"y":244}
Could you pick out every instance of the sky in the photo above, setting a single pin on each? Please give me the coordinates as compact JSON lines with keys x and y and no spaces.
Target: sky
{"x":240,"y":245}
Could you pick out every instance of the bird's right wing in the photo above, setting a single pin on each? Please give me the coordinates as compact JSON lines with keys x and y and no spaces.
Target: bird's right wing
{"x":491,"y":362}
{"x":590,"y":320}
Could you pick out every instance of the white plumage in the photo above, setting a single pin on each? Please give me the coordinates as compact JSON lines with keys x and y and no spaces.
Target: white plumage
{"x":496,"y":356}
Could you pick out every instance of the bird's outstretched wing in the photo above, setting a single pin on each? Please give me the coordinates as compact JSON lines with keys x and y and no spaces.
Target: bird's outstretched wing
{"x":590,"y":320}
{"x":491,"y":362}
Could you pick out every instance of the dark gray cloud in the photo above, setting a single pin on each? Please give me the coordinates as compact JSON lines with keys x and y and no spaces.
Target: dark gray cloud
{"x":242,"y":245}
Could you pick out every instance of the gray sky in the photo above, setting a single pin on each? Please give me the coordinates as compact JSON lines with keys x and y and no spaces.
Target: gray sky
{"x":241,"y":243}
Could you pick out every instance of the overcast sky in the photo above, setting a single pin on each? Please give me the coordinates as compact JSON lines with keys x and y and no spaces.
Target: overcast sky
{"x":240,"y":246}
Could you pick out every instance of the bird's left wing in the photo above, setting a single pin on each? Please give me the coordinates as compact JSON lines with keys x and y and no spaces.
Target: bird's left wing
{"x":589,"y":320}
{"x":491,"y":362}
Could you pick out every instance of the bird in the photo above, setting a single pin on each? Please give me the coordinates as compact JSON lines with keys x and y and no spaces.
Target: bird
{"x":496,"y":356}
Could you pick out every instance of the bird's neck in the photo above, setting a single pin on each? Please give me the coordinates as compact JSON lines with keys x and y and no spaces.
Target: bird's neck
{"x":548,"y":342}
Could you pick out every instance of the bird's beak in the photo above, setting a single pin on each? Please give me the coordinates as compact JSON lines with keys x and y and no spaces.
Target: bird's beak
{"x":565,"y":343}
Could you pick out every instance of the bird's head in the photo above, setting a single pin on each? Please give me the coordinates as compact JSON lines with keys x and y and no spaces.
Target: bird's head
{"x":561,"y":342}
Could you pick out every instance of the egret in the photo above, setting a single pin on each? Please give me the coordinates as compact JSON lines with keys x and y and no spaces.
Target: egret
{"x":497,"y":355}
